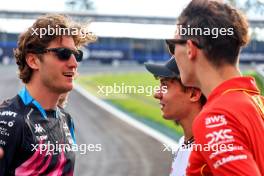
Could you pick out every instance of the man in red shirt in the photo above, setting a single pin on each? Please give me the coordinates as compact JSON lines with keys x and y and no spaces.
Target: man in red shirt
{"x":229,"y":130}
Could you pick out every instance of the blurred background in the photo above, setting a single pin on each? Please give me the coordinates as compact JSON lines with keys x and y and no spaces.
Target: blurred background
{"x":130,"y":32}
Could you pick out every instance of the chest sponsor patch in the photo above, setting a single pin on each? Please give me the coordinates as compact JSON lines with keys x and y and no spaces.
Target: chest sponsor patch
{"x":215,"y":121}
{"x":220,"y":137}
{"x":8,"y":113}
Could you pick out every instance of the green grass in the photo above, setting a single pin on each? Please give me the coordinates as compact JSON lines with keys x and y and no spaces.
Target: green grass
{"x":141,"y":105}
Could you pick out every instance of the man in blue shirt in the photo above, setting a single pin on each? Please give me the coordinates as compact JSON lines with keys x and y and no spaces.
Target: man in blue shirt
{"x":36,"y":136}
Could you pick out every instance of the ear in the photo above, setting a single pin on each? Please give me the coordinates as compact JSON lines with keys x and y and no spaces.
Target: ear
{"x":191,"y":50}
{"x":195,"y":94}
{"x":33,"y":61}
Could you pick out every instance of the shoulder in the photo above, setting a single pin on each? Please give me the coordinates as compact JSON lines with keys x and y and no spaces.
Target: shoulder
{"x":228,"y":116}
{"x":232,"y":102}
{"x":11,"y":111}
{"x":234,"y":108}
{"x":12,"y":122}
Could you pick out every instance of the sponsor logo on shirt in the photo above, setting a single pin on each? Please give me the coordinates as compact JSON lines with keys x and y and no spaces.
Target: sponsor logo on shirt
{"x":9,"y":124}
{"x":219,"y":137}
{"x":3,"y":143}
{"x":67,"y":133}
{"x":3,"y":131}
{"x":3,"y":122}
{"x":39,"y":128}
{"x":224,"y":149}
{"x":215,"y":121}
{"x":42,"y":138}
{"x":228,"y":159}
{"x":8,"y":113}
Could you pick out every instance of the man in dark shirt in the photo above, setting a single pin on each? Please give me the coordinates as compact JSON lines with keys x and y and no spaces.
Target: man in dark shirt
{"x":35,"y":135}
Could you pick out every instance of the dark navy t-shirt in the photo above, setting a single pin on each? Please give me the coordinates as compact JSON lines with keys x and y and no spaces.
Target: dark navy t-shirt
{"x":35,"y":141}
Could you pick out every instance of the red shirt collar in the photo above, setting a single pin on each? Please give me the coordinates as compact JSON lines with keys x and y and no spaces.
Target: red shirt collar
{"x":247,"y":84}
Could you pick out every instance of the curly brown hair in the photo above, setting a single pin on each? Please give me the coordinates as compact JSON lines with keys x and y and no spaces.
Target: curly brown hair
{"x":212,"y":14}
{"x":32,"y":40}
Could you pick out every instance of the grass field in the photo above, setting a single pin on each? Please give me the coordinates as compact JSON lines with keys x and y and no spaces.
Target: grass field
{"x":140,"y":105}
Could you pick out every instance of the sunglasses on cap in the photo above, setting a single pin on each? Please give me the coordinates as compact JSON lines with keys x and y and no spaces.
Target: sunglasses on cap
{"x":171,"y":44}
{"x":64,"y":54}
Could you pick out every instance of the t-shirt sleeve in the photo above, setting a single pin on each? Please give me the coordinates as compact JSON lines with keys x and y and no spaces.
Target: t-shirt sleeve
{"x":11,"y":132}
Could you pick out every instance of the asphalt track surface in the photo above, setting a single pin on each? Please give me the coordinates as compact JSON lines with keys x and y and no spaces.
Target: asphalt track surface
{"x":125,"y":150}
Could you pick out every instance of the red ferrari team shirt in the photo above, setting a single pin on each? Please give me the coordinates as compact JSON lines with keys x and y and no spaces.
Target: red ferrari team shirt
{"x":229,"y":132}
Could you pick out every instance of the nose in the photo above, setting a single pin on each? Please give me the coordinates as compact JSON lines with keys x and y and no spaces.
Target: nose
{"x":72,"y":62}
{"x":158,"y":94}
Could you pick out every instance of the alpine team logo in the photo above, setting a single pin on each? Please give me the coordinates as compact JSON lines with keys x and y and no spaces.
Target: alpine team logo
{"x":39,"y":128}
{"x":10,"y":124}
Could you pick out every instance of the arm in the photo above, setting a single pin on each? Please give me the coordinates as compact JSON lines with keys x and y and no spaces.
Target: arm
{"x":10,"y":138}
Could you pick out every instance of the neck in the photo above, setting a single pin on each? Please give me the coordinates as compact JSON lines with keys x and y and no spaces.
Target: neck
{"x":187,"y":121}
{"x":211,"y":77}
{"x":46,"y":98}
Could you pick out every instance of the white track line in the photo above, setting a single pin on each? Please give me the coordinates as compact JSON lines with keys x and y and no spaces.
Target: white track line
{"x":126,"y":118}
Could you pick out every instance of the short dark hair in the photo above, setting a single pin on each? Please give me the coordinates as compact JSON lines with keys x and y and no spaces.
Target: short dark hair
{"x":214,"y":14}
